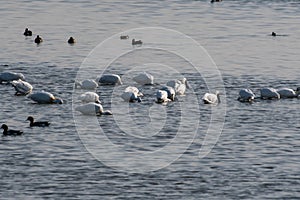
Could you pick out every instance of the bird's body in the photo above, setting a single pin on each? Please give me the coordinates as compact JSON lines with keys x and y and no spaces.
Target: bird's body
{"x":144,"y":79}
{"x":43,"y":97}
{"x":92,"y":109}
{"x":10,"y":132}
{"x":136,"y":42}
{"x":269,"y":93}
{"x":11,"y":76}
{"x":109,"y":79}
{"x":132,"y":94}
{"x":287,"y":93}
{"x":162,"y":96}
{"x":71,"y":40}
{"x":246,"y":95}
{"x":124,"y":37}
{"x":87,"y":84}
{"x":170,"y":92}
{"x":210,"y":98}
{"x":40,"y":123}
{"x":22,"y":87}
{"x":27,"y":32}
{"x":179,"y":86}
{"x":38,"y":39}
{"x":89,"y":97}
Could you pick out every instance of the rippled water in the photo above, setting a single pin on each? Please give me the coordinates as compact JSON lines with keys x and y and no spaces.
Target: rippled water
{"x":255,"y":157}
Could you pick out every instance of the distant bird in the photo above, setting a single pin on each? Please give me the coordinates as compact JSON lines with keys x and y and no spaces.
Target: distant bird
{"x":179,"y":86}
{"x":269,"y":93}
{"x":71,"y":40}
{"x":89,"y":97}
{"x":33,"y":123}
{"x":170,"y":92}
{"x":22,"y":87}
{"x":10,"y":132}
{"x":109,"y":79}
{"x":212,"y":1}
{"x":136,"y":42}
{"x":273,"y":34}
{"x":27,"y":32}
{"x":210,"y":98}
{"x":162,"y":96}
{"x":246,"y":95}
{"x":132,"y":94}
{"x":10,"y":76}
{"x":38,"y":39}
{"x":124,"y":37}
{"x":287,"y":93}
{"x":92,"y":109}
{"x":87,"y":84}
{"x":43,"y":97}
{"x":144,"y":78}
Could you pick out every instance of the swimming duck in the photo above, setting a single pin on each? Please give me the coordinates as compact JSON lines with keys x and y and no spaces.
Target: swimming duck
{"x":144,"y":79}
{"x":27,"y":32}
{"x":10,"y":76}
{"x":71,"y":40}
{"x":109,"y":79}
{"x":246,"y":95}
{"x":33,"y":123}
{"x":210,"y":98}
{"x":179,"y":86}
{"x":92,"y":109}
{"x":212,"y":1}
{"x":7,"y":132}
{"x":38,"y":39}
{"x":89,"y":97}
{"x":87,"y":84}
{"x":287,"y":93}
{"x":136,"y":42}
{"x":22,"y":87}
{"x":273,"y":34}
{"x":269,"y":93}
{"x":43,"y":97}
{"x":124,"y":37}
{"x":132,"y":94}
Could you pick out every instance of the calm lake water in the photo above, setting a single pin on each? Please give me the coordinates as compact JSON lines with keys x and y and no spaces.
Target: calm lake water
{"x":146,"y":150}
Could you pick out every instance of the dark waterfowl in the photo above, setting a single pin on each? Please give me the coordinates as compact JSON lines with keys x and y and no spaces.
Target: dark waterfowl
{"x":137,"y":42}
{"x":40,"y":124}
{"x":213,"y":1}
{"x":124,"y":37}
{"x":27,"y":32}
{"x":10,"y":132}
{"x":273,"y":34}
{"x":38,"y":39}
{"x":71,"y":40}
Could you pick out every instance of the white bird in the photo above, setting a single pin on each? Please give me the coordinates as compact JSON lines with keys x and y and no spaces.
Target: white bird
{"x":87,"y":84}
{"x":89,"y":97}
{"x":269,"y":93}
{"x":144,"y":79}
{"x":246,"y":95}
{"x":109,"y":79}
{"x":210,"y":98}
{"x":162,"y":96}
{"x":286,"y":93}
{"x":132,"y":94}
{"x":170,"y":91}
{"x":45,"y":98}
{"x":92,"y":109}
{"x":10,"y":76}
{"x":22,"y":87}
{"x":179,"y":85}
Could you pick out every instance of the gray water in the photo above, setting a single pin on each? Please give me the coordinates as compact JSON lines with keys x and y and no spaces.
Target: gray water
{"x":255,"y":157}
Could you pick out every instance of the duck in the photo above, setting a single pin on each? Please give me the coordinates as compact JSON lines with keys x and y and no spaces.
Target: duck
{"x":10,"y":132}
{"x":11,"y":76}
{"x":273,"y":34}
{"x":124,"y":37}
{"x":212,"y":1}
{"x":246,"y":95}
{"x":89,"y":97}
{"x":43,"y":97}
{"x":170,"y":92}
{"x":210,"y":98}
{"x":179,"y":86}
{"x":38,"y":39}
{"x":162,"y":96}
{"x":269,"y":93}
{"x":33,"y":123}
{"x":92,"y":109}
{"x":87,"y":84}
{"x":136,"y":42}
{"x":132,"y":94}
{"x":143,"y":78}
{"x":22,"y":87}
{"x":27,"y":32}
{"x":109,"y":79}
{"x":287,"y":93}
{"x":71,"y":40}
